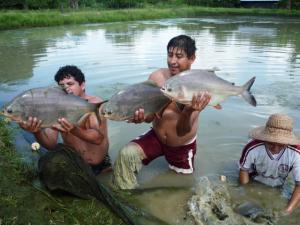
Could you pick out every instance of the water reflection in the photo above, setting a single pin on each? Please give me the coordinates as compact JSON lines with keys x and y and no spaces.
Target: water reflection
{"x":114,"y":55}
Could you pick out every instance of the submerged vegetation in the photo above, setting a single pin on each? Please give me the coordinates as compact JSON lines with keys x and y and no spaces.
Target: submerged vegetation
{"x":25,"y":201}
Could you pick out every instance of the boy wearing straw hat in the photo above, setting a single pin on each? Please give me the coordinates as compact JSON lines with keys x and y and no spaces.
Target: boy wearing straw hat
{"x":271,"y":155}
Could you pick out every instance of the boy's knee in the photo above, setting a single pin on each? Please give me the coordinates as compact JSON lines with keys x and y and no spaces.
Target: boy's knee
{"x":127,"y":164}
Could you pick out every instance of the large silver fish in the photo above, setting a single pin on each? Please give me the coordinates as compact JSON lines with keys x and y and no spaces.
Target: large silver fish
{"x":122,"y":105}
{"x":48,"y":104}
{"x":182,"y":87}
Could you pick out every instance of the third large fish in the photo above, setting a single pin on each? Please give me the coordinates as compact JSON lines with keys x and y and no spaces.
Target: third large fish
{"x":182,"y":87}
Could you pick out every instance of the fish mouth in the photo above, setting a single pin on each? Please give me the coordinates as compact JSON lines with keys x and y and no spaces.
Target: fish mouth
{"x":5,"y":113}
{"x":105,"y":115}
{"x":165,"y":92}
{"x":10,"y":117}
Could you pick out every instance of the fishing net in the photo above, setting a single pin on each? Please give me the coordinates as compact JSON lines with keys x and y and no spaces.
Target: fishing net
{"x":64,"y":170}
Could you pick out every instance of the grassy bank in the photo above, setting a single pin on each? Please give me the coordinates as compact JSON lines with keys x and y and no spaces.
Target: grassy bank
{"x":24,"y":201}
{"x":18,"y":19}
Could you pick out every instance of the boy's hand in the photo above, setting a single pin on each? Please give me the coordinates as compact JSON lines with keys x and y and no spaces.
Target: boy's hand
{"x":200,"y":101}
{"x":63,"y":125}
{"x":32,"y":125}
{"x":138,"y":117}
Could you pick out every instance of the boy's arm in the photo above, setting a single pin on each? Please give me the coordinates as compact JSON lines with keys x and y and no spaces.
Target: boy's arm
{"x":189,"y":115}
{"x":244,"y":177}
{"x":294,"y":201}
{"x":90,"y":131}
{"x":46,"y":137}
{"x":246,"y":163}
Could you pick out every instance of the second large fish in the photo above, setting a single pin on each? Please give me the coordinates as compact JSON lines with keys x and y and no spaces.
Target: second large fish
{"x":122,"y":105}
{"x":182,"y":87}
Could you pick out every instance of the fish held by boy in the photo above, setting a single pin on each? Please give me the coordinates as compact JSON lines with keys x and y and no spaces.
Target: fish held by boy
{"x":122,"y":105}
{"x":183,"y":86}
{"x":48,"y":104}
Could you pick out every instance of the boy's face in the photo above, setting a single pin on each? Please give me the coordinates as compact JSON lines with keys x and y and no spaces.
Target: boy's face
{"x":178,"y":60}
{"x":72,"y":86}
{"x":274,"y":147}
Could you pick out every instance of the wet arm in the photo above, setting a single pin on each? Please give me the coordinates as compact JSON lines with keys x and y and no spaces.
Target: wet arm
{"x":189,"y":115}
{"x":244,"y":177}
{"x":294,"y":201}
{"x":94,"y":134}
{"x":47,"y":138}
{"x":186,"y":120}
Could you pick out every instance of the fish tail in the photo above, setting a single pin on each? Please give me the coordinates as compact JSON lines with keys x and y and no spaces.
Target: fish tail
{"x":246,"y":94}
{"x":98,"y":109}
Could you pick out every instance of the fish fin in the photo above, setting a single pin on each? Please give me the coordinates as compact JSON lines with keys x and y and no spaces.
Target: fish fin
{"x":150,"y":82}
{"x":157,"y":115}
{"x":98,"y":110}
{"x":83,"y":118}
{"x":184,"y":73}
{"x":213,"y":69}
{"x":218,"y":106}
{"x":179,"y":106}
{"x":246,"y":94}
{"x":160,"y":112}
{"x":183,"y":93}
{"x":59,"y":89}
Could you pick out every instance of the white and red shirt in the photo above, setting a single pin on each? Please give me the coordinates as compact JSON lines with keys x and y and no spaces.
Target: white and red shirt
{"x":267,"y":168}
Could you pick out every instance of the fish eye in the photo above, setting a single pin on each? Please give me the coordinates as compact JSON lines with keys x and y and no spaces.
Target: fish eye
{"x":9,"y":110}
{"x":169,"y":89}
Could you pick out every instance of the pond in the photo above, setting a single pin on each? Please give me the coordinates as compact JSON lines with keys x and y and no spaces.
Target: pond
{"x":114,"y":55}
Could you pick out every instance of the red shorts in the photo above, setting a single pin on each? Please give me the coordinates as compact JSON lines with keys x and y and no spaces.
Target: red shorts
{"x":180,"y":159}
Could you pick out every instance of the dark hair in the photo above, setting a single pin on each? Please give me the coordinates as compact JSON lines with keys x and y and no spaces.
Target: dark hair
{"x":183,"y":42}
{"x":69,"y":71}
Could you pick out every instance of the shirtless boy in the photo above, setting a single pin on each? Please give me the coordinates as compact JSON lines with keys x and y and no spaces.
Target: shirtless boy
{"x":89,"y":140}
{"x":174,"y":131}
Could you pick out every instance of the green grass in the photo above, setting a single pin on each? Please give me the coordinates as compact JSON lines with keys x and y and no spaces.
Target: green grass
{"x":24,"y":201}
{"x":42,"y":18}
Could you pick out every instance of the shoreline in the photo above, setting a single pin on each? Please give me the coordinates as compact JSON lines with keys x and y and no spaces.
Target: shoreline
{"x":13,"y":19}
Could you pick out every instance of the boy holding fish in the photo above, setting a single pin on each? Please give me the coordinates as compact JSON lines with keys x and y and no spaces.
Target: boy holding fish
{"x":174,"y":129}
{"x":273,"y":152}
{"x":89,"y":139}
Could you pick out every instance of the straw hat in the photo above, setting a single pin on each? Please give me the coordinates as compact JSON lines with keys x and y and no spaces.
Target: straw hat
{"x":278,"y":129}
